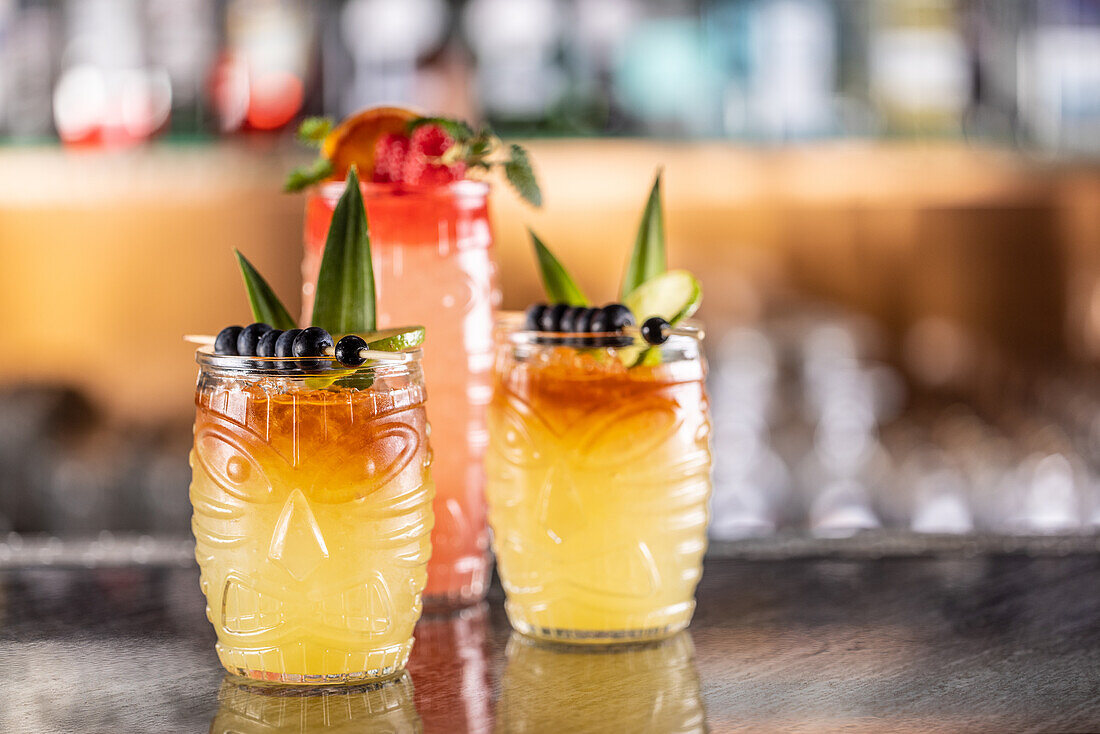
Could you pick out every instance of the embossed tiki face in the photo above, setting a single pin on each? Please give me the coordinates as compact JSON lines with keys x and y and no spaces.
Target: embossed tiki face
{"x":597,"y":487}
{"x":311,"y":520}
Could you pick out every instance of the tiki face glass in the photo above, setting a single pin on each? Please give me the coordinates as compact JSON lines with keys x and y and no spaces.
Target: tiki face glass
{"x":312,"y":514}
{"x":598,"y":481}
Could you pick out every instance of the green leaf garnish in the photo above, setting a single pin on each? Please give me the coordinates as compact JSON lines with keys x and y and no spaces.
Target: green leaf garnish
{"x":345,"y":301}
{"x":483,"y":150}
{"x":518,"y":171}
{"x":648,"y":258}
{"x":303,"y":177}
{"x":266,"y":306}
{"x":560,"y":287}
{"x":314,"y":130}
{"x":457,"y":129}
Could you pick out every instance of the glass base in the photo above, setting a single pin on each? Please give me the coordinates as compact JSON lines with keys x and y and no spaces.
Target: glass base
{"x":331,"y":668}
{"x":457,"y":586}
{"x":597,"y":637}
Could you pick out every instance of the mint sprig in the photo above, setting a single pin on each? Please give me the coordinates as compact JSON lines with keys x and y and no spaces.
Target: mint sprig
{"x":345,"y":300}
{"x":482,"y":149}
{"x":560,"y":286}
{"x":266,"y":306}
{"x":314,"y":130}
{"x":457,"y":129}
{"x":303,"y":177}
{"x":648,"y":258}
{"x":518,"y":171}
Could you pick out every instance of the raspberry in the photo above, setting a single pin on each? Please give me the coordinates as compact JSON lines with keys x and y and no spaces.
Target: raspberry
{"x":430,"y":142}
{"x":389,"y":157}
{"x":422,"y":172}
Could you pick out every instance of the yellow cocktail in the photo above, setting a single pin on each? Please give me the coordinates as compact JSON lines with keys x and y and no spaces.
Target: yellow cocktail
{"x":598,"y":481}
{"x":312,"y":516}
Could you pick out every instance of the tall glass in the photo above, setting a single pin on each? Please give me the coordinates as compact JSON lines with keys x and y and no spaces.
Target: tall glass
{"x":433,"y":267}
{"x":312,"y":515}
{"x":598,"y":481}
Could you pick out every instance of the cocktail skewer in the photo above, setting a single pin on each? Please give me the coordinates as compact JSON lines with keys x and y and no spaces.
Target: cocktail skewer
{"x":329,"y":352}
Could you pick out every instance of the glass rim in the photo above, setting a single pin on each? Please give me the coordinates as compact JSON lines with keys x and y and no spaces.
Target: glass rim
{"x":511,"y":324}
{"x":320,"y":367}
{"x":462,"y":187}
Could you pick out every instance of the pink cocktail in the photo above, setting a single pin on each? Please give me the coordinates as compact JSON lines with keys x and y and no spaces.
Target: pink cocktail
{"x":432,"y":266}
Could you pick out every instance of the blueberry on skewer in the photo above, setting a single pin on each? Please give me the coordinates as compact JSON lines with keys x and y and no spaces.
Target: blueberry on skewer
{"x":266,"y":346}
{"x":312,"y":342}
{"x":656,"y":330}
{"x":550,"y":320}
{"x":582,"y":322}
{"x":284,"y":347}
{"x":249,"y":337}
{"x":347,"y":350}
{"x":568,"y":321}
{"x":533,"y":317}
{"x":226,"y":341}
{"x":618,"y":316}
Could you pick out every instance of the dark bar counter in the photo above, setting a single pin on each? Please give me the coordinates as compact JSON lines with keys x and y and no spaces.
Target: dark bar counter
{"x":953,"y":644}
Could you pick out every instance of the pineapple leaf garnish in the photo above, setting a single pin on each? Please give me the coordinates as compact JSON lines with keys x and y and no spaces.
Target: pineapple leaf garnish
{"x":649,"y":258}
{"x":560,"y":287}
{"x":345,"y":300}
{"x":266,"y":306}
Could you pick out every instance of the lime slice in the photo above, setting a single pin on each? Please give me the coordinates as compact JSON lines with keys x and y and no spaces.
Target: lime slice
{"x":674,"y":296}
{"x":394,"y":340}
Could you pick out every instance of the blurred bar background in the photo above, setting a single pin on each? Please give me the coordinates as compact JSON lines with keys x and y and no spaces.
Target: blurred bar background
{"x":894,"y":206}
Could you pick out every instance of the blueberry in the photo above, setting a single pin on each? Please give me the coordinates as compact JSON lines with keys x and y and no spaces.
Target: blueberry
{"x":599,"y":322}
{"x":347,"y":350}
{"x":226,"y":341}
{"x":266,"y":346}
{"x":249,"y":338}
{"x":568,"y":321}
{"x":655,"y":330}
{"x":583,"y":320}
{"x":534,"y":316}
{"x":618,"y":316}
{"x":551,"y":317}
{"x":284,"y":345}
{"x":312,"y":342}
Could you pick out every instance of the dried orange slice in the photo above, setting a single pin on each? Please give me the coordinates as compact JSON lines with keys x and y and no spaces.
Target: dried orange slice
{"x":353,"y":140}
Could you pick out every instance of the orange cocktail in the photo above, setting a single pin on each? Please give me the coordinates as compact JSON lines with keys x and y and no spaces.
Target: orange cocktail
{"x":432,"y":266}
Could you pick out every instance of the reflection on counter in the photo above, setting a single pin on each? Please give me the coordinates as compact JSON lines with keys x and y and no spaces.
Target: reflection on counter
{"x":449,"y":664}
{"x":387,"y":707}
{"x":648,"y":688}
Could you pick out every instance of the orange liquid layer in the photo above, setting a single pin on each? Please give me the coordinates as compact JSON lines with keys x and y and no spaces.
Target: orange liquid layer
{"x":598,"y":485}
{"x":312,"y":514}
{"x":432,"y":267}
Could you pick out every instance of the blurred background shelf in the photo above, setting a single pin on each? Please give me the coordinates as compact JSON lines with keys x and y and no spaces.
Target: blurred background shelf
{"x":892,"y":206}
{"x":992,"y":247}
